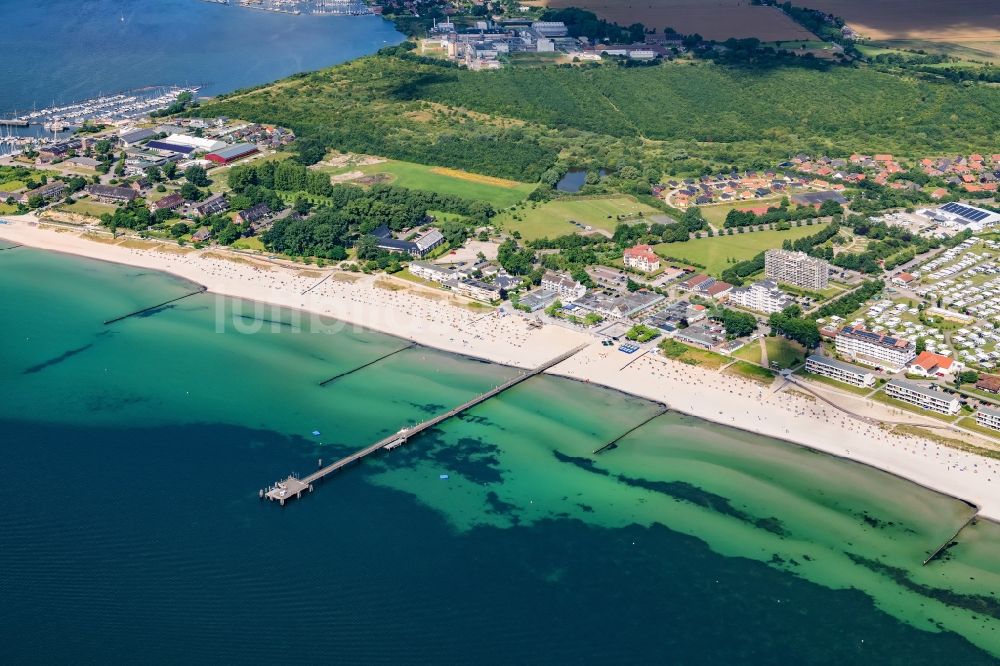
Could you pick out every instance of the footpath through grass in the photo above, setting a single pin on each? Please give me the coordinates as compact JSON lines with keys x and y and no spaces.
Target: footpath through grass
{"x":556,"y":218}
{"x":499,"y":192}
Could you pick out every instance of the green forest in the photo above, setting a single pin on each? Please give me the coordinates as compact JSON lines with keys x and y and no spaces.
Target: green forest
{"x":680,"y":118}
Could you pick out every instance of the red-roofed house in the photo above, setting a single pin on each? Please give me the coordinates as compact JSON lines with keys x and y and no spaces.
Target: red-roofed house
{"x":883,"y":158}
{"x":939,"y":193}
{"x":694,"y":281}
{"x":929,"y":364}
{"x":642,"y":258}
{"x":718,"y":290}
{"x":989,"y":383}
{"x":903,"y":278}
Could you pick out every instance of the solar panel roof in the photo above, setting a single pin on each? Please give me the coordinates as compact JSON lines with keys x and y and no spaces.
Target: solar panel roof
{"x":965,"y":211}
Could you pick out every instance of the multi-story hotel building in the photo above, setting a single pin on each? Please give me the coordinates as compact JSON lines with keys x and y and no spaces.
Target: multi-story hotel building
{"x":763,"y":296}
{"x":922,"y":396}
{"x":875,"y":348}
{"x":988,"y":417}
{"x":842,"y":372}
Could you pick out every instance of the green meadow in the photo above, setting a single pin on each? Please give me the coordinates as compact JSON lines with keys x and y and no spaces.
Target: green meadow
{"x":719,"y":252}
{"x":555,"y":218}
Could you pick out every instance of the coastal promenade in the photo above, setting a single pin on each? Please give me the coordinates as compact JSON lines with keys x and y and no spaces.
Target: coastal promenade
{"x":293,"y":487}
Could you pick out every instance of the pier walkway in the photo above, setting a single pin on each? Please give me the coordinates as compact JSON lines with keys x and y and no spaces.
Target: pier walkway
{"x":293,"y":487}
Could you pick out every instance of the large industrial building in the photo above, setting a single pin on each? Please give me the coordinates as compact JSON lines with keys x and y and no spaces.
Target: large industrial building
{"x":198,"y":143}
{"x":232,"y":153}
{"x":797,"y":269}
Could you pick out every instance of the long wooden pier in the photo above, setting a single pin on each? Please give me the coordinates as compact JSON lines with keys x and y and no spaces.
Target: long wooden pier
{"x":293,"y":487}
{"x":372,"y":362}
{"x":158,"y":305}
{"x":10,"y":247}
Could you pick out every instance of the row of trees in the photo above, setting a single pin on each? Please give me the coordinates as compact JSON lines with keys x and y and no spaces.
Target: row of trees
{"x":789,"y":323}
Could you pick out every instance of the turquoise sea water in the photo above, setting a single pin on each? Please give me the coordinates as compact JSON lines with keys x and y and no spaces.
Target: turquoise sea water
{"x":131,"y":529}
{"x":64,"y":50}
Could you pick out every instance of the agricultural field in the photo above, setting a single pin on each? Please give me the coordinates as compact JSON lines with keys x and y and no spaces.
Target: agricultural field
{"x":720,"y":19}
{"x":499,"y":192}
{"x":555,"y":218}
{"x":719,"y":252}
{"x":926,"y":20}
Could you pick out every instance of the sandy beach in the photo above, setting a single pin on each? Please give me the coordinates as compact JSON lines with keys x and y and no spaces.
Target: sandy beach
{"x":437,"y":319}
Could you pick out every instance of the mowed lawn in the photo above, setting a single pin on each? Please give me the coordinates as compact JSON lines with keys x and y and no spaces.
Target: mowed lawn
{"x":717,"y":253}
{"x":496,"y":191}
{"x":91,"y":208}
{"x":785,"y":353}
{"x":555,"y":218}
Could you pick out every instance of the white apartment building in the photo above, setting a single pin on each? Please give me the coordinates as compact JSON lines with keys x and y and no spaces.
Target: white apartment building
{"x":566,"y":287}
{"x":842,"y":372}
{"x":435,"y":273}
{"x":988,"y":417}
{"x":875,"y":349}
{"x":796,"y":268}
{"x":763,"y":296}
{"x":922,"y":396}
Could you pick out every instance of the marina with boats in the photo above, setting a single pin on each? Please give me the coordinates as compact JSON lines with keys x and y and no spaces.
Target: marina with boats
{"x":298,"y":7}
{"x":20,"y":131}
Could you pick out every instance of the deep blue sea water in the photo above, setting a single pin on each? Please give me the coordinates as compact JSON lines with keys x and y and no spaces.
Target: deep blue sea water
{"x":64,"y":50}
